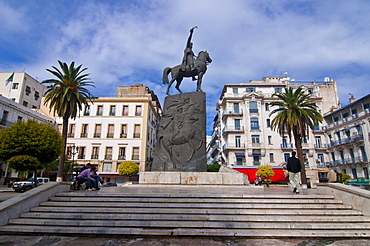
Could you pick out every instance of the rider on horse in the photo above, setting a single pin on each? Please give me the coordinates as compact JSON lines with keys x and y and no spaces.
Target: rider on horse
{"x":188,"y":59}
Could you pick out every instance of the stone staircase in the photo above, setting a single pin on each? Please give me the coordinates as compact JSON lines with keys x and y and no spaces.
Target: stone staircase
{"x":161,"y":214}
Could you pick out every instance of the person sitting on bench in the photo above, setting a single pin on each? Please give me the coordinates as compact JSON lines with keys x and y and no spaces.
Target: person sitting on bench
{"x":84,"y":176}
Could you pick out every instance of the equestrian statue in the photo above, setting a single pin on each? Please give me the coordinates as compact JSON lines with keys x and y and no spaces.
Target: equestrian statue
{"x":189,"y":67}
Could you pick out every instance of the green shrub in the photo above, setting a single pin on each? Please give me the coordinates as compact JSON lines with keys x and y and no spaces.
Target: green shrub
{"x":265,"y":172}
{"x":128,"y":168}
{"x":213,"y":167}
{"x":343,"y":178}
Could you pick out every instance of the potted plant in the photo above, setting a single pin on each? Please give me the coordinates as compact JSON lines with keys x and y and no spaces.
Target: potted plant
{"x":265,"y":172}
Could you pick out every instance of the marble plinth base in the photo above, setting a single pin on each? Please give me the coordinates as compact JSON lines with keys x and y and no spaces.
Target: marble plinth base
{"x":196,"y":178}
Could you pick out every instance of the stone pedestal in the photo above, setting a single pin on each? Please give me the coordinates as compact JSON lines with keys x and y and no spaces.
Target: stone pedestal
{"x":193,"y":178}
{"x":181,"y":144}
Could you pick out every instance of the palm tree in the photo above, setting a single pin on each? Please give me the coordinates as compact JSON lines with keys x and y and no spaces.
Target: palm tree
{"x":296,"y":115}
{"x":66,"y":95}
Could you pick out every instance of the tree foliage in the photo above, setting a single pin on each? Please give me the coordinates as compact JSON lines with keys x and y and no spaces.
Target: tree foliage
{"x":32,"y":139}
{"x":23,"y":163}
{"x":128,"y":168}
{"x":296,"y":115}
{"x":66,"y":94}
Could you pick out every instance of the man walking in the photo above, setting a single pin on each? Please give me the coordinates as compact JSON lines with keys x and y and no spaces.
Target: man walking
{"x":294,"y":168}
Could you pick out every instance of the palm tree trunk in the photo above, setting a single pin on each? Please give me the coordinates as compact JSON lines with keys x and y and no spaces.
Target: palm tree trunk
{"x":298,"y":145}
{"x":63,"y":155}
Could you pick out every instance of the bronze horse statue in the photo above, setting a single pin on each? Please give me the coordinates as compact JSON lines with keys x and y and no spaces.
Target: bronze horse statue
{"x":200,"y":68}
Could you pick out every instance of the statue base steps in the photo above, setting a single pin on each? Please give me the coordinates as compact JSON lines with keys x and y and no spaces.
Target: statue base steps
{"x":195,"y":178}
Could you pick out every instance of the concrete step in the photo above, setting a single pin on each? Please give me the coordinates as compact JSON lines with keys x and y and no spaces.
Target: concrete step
{"x":193,"y":199}
{"x":197,"y":205}
{"x":192,"y":224}
{"x":195,"y":196}
{"x":196,"y":211}
{"x":197,"y":217}
{"x":185,"y":232}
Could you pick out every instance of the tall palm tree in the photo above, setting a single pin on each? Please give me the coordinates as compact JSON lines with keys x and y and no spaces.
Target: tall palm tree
{"x":66,"y":94}
{"x":295,"y":116}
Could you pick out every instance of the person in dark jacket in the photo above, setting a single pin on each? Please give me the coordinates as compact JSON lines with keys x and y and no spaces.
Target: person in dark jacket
{"x":294,"y":168}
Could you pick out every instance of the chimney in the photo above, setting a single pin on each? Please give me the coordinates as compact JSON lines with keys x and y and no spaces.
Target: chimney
{"x":352,"y":98}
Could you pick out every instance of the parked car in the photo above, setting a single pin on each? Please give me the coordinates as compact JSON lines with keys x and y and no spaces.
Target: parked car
{"x":26,"y":185}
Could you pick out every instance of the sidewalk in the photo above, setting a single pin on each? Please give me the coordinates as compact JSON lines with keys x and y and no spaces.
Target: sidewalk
{"x":5,"y":188}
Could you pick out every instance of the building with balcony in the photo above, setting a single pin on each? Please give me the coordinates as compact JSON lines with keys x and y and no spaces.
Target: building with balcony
{"x":244,"y":137}
{"x":24,"y":89}
{"x":12,"y":112}
{"x":111,"y":130}
{"x":348,"y":132}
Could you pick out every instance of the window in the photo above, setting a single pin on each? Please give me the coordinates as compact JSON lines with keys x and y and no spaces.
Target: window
{"x":267,"y":106}
{"x":99,"y":110}
{"x":107,"y":167}
{"x":135,"y":153}
{"x":97,"y":132}
{"x":237,"y":141}
{"x":125,"y":110}
{"x":320,"y":158}
{"x":81,"y":153}
{"x":110,"y":133}
{"x":269,"y":139}
{"x":25,"y":103}
{"x":59,"y":128}
{"x":137,"y":131}
{"x":254,"y":124}
{"x":239,"y":161}
{"x":236,"y":108}
{"x":318,"y":141}
{"x":272,"y":157}
{"x":95,"y":153}
{"x":108,"y":153}
{"x":20,"y":118}
{"x":366,"y":172}
{"x":268,"y":123}
{"x":354,"y":173}
{"x":256,"y":160}
{"x":237,"y":124}
{"x":255,"y":138}
{"x":15,"y":86}
{"x":235,"y":90}
{"x":112,"y":111}
{"x":354,"y":113}
{"x":37,"y":95}
{"x":123,"y":131}
{"x":71,"y":130}
{"x":286,"y":157}
{"x":253,"y":107}
{"x":138,"y":111}
{"x":278,"y":89}
{"x":122,"y":153}
{"x":250,"y":89}
{"x":84,"y":130}
{"x":28,"y":90}
{"x":87,"y":110}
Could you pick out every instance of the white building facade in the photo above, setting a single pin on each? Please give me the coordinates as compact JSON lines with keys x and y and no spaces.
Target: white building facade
{"x":348,"y":131}
{"x":10,"y":113}
{"x":115,"y":129}
{"x":242,"y":136}
{"x":23,"y":89}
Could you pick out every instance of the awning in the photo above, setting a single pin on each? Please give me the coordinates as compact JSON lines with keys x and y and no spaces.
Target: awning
{"x":254,"y":153}
{"x":239,"y":155}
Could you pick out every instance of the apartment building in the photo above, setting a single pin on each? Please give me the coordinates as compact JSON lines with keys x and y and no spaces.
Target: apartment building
{"x":348,"y":132}
{"x":10,"y":113}
{"x":111,"y":130}
{"x":22,"y":89}
{"x":242,"y":137}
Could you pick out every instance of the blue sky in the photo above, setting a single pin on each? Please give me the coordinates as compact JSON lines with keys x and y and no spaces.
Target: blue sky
{"x":128,"y":42}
